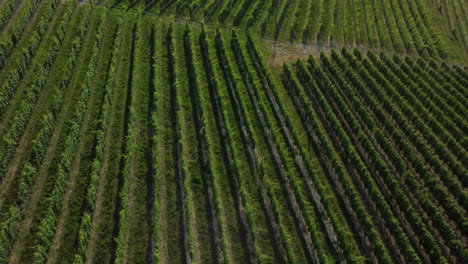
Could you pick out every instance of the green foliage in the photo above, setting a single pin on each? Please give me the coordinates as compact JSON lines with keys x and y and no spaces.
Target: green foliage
{"x":31,"y":93}
{"x":85,"y":224}
{"x":13,"y":35}
{"x":54,"y":200}
{"x":399,"y":25}
{"x":350,"y":157}
{"x":8,"y":9}
{"x":27,"y":52}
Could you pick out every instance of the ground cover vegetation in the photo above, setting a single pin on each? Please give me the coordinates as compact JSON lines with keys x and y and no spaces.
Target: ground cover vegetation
{"x":157,"y":132}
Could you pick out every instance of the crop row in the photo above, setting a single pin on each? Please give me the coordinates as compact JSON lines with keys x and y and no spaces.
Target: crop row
{"x":26,"y":49}
{"x":199,"y":152}
{"x":8,"y":9}
{"x":373,"y":144}
{"x":400,"y":25}
{"x":40,"y":142}
{"x":394,"y":157}
{"x":94,"y":181}
{"x":13,"y":34}
{"x":31,"y":92}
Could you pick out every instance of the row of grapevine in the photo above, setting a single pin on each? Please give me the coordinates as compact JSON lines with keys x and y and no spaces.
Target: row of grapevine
{"x":450,"y":76}
{"x":408,"y":114}
{"x":135,"y":78}
{"x":301,"y":20}
{"x":410,"y":180}
{"x":94,"y":181}
{"x":8,"y":9}
{"x":379,"y":163}
{"x":116,"y":72}
{"x":446,"y":91}
{"x":382,"y":163}
{"x":454,"y":12}
{"x":31,"y":92}
{"x":291,"y":133}
{"x":383,"y":33}
{"x":440,"y":237}
{"x":206,"y":237}
{"x":26,"y":48}
{"x":286,"y":177}
{"x":440,"y":96}
{"x":259,"y":210}
{"x":48,"y":224}
{"x":129,"y":138}
{"x":40,"y":137}
{"x":170,"y":220}
{"x":357,"y":167}
{"x":181,"y":170}
{"x":210,"y":149}
{"x":442,"y":134}
{"x":325,"y":22}
{"x":40,"y":142}
{"x":336,"y":169}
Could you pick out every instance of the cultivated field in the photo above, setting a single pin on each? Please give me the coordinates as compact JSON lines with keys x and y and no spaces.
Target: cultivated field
{"x":161,"y":131}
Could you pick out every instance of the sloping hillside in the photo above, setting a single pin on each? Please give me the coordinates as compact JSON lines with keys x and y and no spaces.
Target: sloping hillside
{"x":212,"y":131}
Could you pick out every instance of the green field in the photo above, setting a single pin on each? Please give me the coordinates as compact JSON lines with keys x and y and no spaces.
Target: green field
{"x":209,"y":131}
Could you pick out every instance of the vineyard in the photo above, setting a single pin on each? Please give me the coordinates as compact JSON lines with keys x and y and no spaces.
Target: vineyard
{"x":157,"y":132}
{"x":401,"y":25}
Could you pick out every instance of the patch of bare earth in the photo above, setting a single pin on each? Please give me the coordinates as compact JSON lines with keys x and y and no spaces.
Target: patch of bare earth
{"x":288,"y":52}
